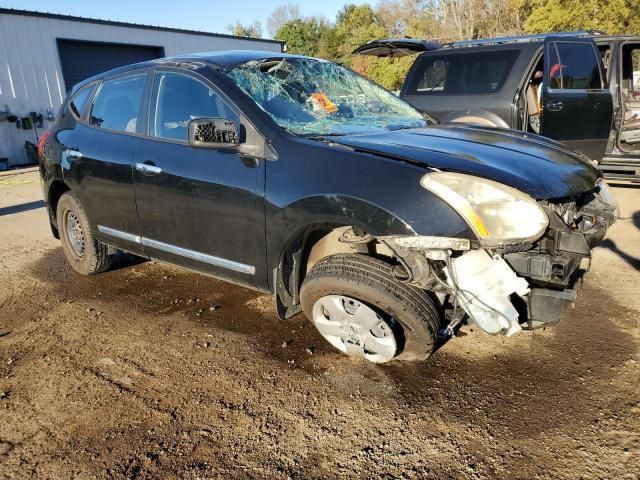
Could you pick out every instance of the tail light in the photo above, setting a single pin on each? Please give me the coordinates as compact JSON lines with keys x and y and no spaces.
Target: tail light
{"x":43,"y":139}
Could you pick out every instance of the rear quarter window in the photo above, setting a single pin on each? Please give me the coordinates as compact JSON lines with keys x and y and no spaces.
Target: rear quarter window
{"x":462,"y":73}
{"x":79,"y":100}
{"x":117,"y":103}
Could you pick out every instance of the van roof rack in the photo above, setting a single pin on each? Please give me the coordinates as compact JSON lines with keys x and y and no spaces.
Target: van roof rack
{"x":523,"y":38}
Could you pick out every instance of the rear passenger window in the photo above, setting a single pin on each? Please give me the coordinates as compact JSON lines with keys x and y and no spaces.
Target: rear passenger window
{"x":79,"y":100}
{"x":578,"y":65}
{"x":463,"y":73}
{"x":177,"y":99}
{"x":117,"y":104}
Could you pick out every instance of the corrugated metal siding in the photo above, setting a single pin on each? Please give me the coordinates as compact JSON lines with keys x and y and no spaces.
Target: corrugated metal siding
{"x":31,"y":76}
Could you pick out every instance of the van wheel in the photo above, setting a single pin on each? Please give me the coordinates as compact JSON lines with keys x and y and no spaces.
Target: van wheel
{"x":84,"y":253}
{"x":362,"y":310}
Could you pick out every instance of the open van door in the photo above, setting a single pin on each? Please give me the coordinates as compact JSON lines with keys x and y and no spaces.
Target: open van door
{"x":575,"y":104}
{"x":396,"y":47}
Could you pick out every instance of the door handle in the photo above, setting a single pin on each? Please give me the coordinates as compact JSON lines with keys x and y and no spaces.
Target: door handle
{"x":555,"y":106}
{"x":148,"y":168}
{"x":73,"y":154}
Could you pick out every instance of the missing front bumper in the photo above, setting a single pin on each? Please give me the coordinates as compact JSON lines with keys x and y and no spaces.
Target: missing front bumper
{"x":545,"y":306}
{"x":501,"y":302}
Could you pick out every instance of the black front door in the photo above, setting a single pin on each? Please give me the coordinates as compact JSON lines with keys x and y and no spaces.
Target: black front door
{"x":198,"y":207}
{"x":577,"y":108}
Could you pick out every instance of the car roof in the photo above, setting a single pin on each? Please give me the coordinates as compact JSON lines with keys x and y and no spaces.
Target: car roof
{"x":519,"y":39}
{"x":227,"y":58}
{"x":608,"y":38}
{"x":217,"y":59}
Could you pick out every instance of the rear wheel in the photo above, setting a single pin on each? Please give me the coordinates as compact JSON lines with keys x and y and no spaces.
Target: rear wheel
{"x":83,"y":252}
{"x":362,"y":310}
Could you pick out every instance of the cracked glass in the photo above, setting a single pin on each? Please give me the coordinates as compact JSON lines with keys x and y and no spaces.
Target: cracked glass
{"x":314,"y":97}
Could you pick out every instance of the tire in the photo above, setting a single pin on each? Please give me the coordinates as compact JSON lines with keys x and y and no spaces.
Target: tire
{"x":409,"y":312}
{"x":92,"y":256}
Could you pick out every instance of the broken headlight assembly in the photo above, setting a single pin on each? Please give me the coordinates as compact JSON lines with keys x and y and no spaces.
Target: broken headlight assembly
{"x":606,"y":195}
{"x":498,"y":214}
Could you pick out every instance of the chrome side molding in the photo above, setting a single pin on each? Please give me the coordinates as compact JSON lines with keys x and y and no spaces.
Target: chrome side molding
{"x":199,"y":256}
{"x":180,"y":251}
{"x":120,"y":234}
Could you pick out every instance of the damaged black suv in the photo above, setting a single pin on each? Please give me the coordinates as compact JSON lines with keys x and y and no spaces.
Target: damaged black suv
{"x":296,"y":176}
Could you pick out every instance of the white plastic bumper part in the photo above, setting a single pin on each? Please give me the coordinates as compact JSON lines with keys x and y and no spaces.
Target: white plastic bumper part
{"x":484,"y":284}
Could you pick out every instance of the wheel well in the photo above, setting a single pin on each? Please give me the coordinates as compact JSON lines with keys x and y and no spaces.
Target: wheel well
{"x":307,"y":248}
{"x":56,"y":190}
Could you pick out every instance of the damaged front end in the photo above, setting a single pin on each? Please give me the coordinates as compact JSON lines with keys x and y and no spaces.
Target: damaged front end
{"x":509,"y":286}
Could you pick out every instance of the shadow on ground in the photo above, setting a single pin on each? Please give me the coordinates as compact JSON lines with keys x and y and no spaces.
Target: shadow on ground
{"x":23,"y":207}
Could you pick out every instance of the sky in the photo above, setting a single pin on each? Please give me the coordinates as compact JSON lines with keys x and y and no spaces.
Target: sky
{"x":204,"y":15}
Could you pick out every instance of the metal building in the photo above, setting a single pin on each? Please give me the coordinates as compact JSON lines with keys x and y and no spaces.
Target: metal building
{"x":43,"y":55}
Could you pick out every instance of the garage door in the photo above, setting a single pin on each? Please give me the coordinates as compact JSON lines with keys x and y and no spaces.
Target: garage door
{"x":81,"y":60}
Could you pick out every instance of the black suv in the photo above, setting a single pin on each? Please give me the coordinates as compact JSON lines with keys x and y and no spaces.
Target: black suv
{"x":555,"y":85}
{"x":296,"y":176}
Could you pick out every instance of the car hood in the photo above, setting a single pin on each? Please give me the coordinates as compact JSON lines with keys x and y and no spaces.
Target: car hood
{"x":538,"y":166}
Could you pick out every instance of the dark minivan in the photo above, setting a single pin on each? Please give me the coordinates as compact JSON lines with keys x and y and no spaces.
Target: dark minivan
{"x":580,"y":88}
{"x":298,"y":177}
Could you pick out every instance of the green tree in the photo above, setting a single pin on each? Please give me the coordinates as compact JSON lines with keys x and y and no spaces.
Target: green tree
{"x":355,"y":25}
{"x":303,"y":36}
{"x":281,"y":15}
{"x":611,"y":16}
{"x":253,"y":30}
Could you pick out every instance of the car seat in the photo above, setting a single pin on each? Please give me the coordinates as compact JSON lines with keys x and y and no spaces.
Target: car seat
{"x":533,"y":111}
{"x":121,"y":115}
{"x":630,"y":131}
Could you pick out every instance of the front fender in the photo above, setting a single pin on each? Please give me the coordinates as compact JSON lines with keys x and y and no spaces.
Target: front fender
{"x":432,"y":217}
{"x":316,"y":185}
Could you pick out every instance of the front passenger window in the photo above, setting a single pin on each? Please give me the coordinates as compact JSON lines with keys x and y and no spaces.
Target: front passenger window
{"x":177,"y":99}
{"x":117,"y":104}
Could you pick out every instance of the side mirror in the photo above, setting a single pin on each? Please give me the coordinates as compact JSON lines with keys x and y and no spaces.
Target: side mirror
{"x":213,"y":133}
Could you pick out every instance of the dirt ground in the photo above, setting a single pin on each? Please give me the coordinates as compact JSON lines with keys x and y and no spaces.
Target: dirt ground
{"x":152,"y":371}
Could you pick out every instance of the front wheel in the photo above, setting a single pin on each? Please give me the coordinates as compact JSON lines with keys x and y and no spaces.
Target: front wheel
{"x":361,"y":309}
{"x":83,"y":252}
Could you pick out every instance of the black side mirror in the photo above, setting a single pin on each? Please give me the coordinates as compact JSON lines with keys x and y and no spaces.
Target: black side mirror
{"x":213,"y":133}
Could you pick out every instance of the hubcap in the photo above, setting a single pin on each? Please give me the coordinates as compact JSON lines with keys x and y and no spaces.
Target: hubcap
{"x":75,"y":234}
{"x":354,"y":328}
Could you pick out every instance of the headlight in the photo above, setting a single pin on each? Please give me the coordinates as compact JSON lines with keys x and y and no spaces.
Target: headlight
{"x":496,"y":213}
{"x":607,"y":197}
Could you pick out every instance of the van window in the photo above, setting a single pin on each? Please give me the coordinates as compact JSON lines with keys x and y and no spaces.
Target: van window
{"x":462,"y":73}
{"x":579,"y":66}
{"x":555,"y":76}
{"x":117,"y":104}
{"x":177,"y":99}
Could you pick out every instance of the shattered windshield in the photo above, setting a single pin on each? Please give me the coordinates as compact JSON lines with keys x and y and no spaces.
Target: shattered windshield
{"x":316,"y":97}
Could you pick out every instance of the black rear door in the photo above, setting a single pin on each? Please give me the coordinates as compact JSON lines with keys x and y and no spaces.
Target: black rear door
{"x":576,"y":105}
{"x":98,"y":154}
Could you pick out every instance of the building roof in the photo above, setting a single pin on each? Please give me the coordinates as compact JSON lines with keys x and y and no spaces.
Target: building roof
{"x":96,"y":21}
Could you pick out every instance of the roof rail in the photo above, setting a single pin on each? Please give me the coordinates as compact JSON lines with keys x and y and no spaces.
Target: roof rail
{"x":523,"y":38}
